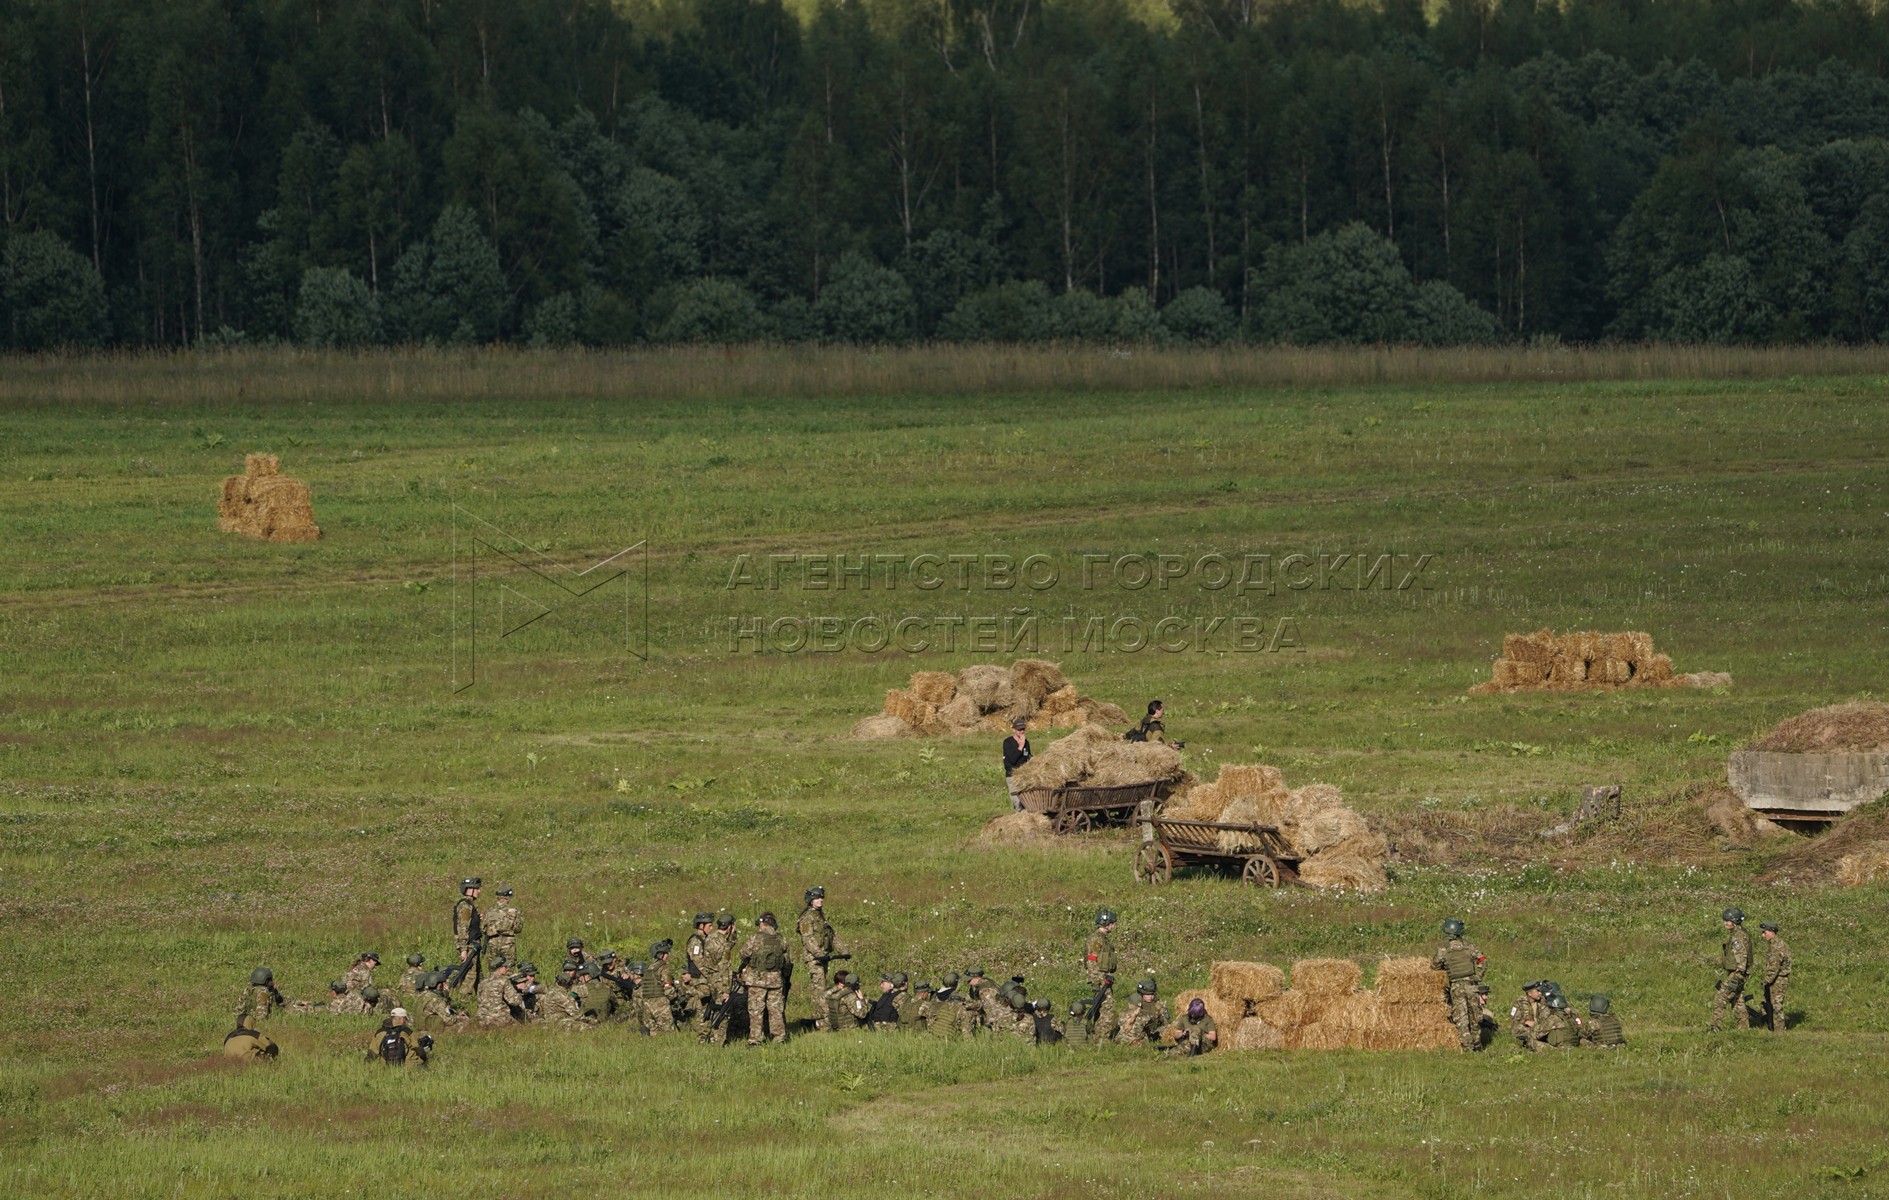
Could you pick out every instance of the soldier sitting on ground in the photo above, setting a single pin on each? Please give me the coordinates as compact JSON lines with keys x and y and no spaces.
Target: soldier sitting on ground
{"x":360,"y":974}
{"x":1602,"y":1029}
{"x":1197,"y":1033}
{"x":499,"y":1000}
{"x":1561,"y":1029}
{"x":1526,"y":1015}
{"x":416,"y":971}
{"x":1142,"y":1024}
{"x":260,"y":1000}
{"x":395,"y":1043}
{"x":1044,"y":1029}
{"x":435,"y":1003}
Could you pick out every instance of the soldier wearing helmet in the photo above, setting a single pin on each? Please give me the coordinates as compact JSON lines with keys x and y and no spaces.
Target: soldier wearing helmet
{"x":1735,"y":967}
{"x":1196,"y":1032}
{"x":819,"y":946}
{"x":1099,"y":965}
{"x":1601,"y":1030}
{"x":1777,"y":975}
{"x":1142,"y":1024}
{"x":469,"y":931}
{"x":1463,"y":965}
{"x":259,"y":1001}
{"x":415,"y":972}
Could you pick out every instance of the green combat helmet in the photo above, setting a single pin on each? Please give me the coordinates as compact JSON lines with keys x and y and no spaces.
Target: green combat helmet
{"x":371,"y":995}
{"x":704,"y":918}
{"x":1145,"y":987}
{"x":921,"y":989}
{"x":570,"y":964}
{"x":900,"y":979}
{"x":1077,"y":1009}
{"x":337,"y":985}
{"x":816,"y":892}
{"x":724,"y":920}
{"x":666,"y":946}
{"x":1598,"y":1006}
{"x":1768,"y":926}
{"x":948,"y":980}
{"x":1452,"y":928}
{"x":261,"y":977}
{"x":1104,"y":916}
{"x":1734,"y":914}
{"x":416,"y":960}
{"x":1556,"y":1002}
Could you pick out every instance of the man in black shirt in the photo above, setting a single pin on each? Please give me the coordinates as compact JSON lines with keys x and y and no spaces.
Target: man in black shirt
{"x":1016,"y":753}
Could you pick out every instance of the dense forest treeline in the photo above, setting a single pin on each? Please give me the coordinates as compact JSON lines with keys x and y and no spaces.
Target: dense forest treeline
{"x":359,"y":171}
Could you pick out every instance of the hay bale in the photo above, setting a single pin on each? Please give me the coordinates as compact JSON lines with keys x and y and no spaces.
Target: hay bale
{"x":881,"y":727}
{"x":1101,"y":712}
{"x":1287,"y":1010}
{"x":1247,"y":983}
{"x":1250,"y":779}
{"x":910,"y":709}
{"x":1254,"y":1033}
{"x":1353,"y":1017}
{"x":1510,"y":673}
{"x":1703,"y":679}
{"x":1410,"y":981}
{"x":1244,"y":810}
{"x":1537,"y":649}
{"x":1864,"y":866}
{"x":1336,"y":870}
{"x":1326,"y":827}
{"x":1317,"y":1036}
{"x":934,"y":687}
{"x":1016,"y":829}
{"x":1609,"y":670}
{"x":1226,"y":1014}
{"x":1655,"y":668}
{"x":987,"y":686}
{"x":1037,"y":678}
{"x":1062,"y":700}
{"x":1567,"y":669}
{"x":1068,"y":759}
{"x":1326,"y":976}
{"x":1413,"y":1027}
{"x":263,"y":503}
{"x":961,"y":715}
{"x":1635,"y":648}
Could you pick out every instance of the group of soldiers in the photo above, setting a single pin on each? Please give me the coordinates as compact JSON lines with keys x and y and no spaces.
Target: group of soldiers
{"x":725,"y":985}
{"x":1735,"y":964}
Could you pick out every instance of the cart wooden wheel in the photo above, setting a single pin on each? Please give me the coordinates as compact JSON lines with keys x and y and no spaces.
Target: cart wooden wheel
{"x":1153,"y":863}
{"x":1062,"y":821}
{"x":1260,"y":871}
{"x":1081,"y":822}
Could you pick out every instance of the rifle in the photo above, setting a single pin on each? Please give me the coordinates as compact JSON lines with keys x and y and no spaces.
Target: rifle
{"x":726,"y":1008}
{"x":824,"y":959}
{"x":475,"y":952}
{"x":1092,"y":1007}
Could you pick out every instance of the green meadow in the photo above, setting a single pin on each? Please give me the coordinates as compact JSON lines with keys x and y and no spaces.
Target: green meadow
{"x":217,"y":753}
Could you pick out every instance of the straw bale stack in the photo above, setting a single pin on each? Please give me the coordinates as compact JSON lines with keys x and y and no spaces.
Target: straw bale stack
{"x":1410,"y":981}
{"x":1585,"y":659}
{"x":1247,"y":983}
{"x":1098,"y":757}
{"x":1285,"y":1011}
{"x":265,"y":504}
{"x":1326,"y":976}
{"x":1338,"y":848}
{"x":985,"y":698}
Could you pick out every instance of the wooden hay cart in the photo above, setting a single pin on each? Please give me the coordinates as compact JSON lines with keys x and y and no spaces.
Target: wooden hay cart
{"x":1076,"y":809}
{"x":1263,"y":859}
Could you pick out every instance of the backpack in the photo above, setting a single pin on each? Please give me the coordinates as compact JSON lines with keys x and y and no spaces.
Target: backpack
{"x":393,"y":1048}
{"x":1137,"y":734}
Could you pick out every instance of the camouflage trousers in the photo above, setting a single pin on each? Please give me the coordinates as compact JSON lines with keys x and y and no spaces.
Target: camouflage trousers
{"x":1463,"y":1013}
{"x":816,"y":989}
{"x":705,"y":1029}
{"x":1105,"y":1017}
{"x":658,"y":1017}
{"x":1731,"y":991}
{"x":765,"y":1005}
{"x":501,"y":949}
{"x":1774,"y":1004}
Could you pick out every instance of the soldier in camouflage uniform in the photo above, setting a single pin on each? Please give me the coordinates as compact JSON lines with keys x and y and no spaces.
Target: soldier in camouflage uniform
{"x":593,"y":992}
{"x":993,"y":1008}
{"x":558,"y":1006}
{"x":1526,"y":1016}
{"x":503,"y":925}
{"x":1735,"y":965}
{"x":1197,"y":1033}
{"x":1560,"y":1028}
{"x":659,"y":990}
{"x":901,"y":995}
{"x":1487,"y":1027}
{"x":764,"y":973}
{"x":698,"y":964}
{"x":260,"y":1000}
{"x":336,"y":991}
{"x":818,"y":946}
{"x":1076,"y":1028}
{"x":1777,"y":975}
{"x":575,"y":949}
{"x":1099,"y":965}
{"x":834,"y":1003}
{"x":914,"y":1016}
{"x":416,"y":971}
{"x":435,"y":1008}
{"x":627,"y":1004}
{"x":1022,"y":1015}
{"x":975,"y":989}
{"x":718,"y":958}
{"x":1601,"y":1031}
{"x":946,"y":1016}
{"x":530,"y":990}
{"x":1142,"y":1024}
{"x":858,"y":1012}
{"x":361,"y":971}
{"x":469,"y":932}
{"x":500,"y":1003}
{"x":1464,"y":966}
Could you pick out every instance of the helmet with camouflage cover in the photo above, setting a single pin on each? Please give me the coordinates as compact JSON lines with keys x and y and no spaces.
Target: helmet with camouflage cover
{"x":261,"y":977}
{"x":1734,"y":914}
{"x":416,"y":960}
{"x":1104,"y":916}
{"x":1452,"y":928}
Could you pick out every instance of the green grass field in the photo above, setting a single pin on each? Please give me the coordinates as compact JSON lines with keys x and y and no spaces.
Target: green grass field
{"x":217,"y":753}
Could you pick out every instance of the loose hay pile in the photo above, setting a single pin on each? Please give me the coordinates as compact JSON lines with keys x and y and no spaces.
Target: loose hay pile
{"x":1095,"y":756}
{"x":1326,"y":1009}
{"x":1338,"y":849}
{"x":1859,"y":727}
{"x":1864,"y":866}
{"x":264,"y":503}
{"x":1017,"y":829}
{"x":1542,"y":661}
{"x":986,"y":698}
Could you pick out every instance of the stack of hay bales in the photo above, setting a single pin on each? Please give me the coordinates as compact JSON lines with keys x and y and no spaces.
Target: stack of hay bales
{"x":1338,"y":849}
{"x":1543,"y":661}
{"x":1327,"y":1009}
{"x":1096,"y":756}
{"x":986,"y":698}
{"x":263,"y":503}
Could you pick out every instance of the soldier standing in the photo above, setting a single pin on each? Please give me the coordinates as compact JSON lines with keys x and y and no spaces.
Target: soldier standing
{"x":469,"y":932}
{"x":698,"y":959}
{"x":1735,"y":963}
{"x":1142,"y":1024}
{"x":1099,"y":964}
{"x":1777,"y":975}
{"x":1464,"y":965}
{"x":502,"y":925}
{"x":1602,"y":1030}
{"x":819,"y":946}
{"x":764,"y":973}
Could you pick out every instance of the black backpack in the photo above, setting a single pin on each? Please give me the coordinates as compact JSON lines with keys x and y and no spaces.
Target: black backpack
{"x":1137,"y":734}
{"x":393,"y":1048}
